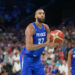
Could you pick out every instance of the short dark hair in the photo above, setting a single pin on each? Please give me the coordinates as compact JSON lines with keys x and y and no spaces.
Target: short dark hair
{"x":38,"y":9}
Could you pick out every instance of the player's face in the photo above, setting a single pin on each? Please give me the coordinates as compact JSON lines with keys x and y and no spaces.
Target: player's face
{"x":40,"y":16}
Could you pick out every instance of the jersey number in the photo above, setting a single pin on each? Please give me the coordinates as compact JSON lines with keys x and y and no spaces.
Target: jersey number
{"x":40,"y":40}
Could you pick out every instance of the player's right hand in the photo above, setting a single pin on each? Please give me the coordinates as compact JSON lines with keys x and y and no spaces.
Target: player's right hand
{"x":52,"y":45}
{"x":48,"y":41}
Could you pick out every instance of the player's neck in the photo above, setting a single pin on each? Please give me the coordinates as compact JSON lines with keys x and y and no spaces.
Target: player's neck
{"x":38,"y":24}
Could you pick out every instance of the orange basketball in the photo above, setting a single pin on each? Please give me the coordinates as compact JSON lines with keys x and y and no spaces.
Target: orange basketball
{"x":56,"y":36}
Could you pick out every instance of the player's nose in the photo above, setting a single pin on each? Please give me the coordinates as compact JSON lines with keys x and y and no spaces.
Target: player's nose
{"x":42,"y":16}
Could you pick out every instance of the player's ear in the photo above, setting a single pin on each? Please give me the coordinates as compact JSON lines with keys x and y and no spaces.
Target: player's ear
{"x":35,"y":16}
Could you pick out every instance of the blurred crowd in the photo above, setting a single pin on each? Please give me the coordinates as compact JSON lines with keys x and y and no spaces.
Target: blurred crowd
{"x":11,"y":44}
{"x":54,"y":60}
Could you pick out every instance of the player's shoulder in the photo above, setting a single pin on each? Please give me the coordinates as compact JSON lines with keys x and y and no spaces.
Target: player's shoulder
{"x":46,"y":26}
{"x":30,"y":28}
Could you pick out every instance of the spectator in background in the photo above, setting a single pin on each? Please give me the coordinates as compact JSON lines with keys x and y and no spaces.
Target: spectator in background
{"x":4,"y":71}
{"x":6,"y":58}
{"x":63,"y":68}
{"x":0,"y":68}
{"x":73,"y":32}
{"x":61,"y":54}
{"x":47,"y":69}
{"x":1,"y":56}
{"x":16,"y":60}
{"x":10,"y":58}
{"x":57,"y":60}
{"x":16,"y":56}
{"x":69,"y":46}
{"x":64,"y":46}
{"x":54,"y":69}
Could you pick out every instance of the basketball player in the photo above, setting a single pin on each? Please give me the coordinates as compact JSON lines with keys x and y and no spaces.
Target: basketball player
{"x":37,"y":36}
{"x":71,"y":59}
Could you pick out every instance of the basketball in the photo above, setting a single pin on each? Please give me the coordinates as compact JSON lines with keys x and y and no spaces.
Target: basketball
{"x":56,"y":36}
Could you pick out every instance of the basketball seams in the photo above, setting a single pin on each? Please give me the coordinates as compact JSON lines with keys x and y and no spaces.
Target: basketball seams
{"x":56,"y":36}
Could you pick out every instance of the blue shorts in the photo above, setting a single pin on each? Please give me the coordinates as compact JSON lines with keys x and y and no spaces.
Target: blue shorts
{"x":31,"y":65}
{"x":73,"y":72}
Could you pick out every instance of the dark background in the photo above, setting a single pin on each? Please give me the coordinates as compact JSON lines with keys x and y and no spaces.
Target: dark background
{"x":19,"y":13}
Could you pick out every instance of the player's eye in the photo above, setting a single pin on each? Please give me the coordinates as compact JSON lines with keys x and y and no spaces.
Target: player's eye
{"x":41,"y":13}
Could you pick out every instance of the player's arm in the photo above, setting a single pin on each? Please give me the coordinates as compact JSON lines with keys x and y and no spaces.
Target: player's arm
{"x":29,"y":39}
{"x":69,"y":60}
{"x":51,"y":44}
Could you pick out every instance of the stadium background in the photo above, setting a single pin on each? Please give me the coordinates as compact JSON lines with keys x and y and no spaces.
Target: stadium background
{"x":15,"y":15}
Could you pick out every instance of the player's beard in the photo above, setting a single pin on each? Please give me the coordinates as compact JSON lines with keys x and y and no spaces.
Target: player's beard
{"x":41,"y":20}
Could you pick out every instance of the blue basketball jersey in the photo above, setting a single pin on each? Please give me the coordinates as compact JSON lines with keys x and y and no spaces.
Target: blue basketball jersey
{"x":73,"y":59}
{"x":39,"y":37}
